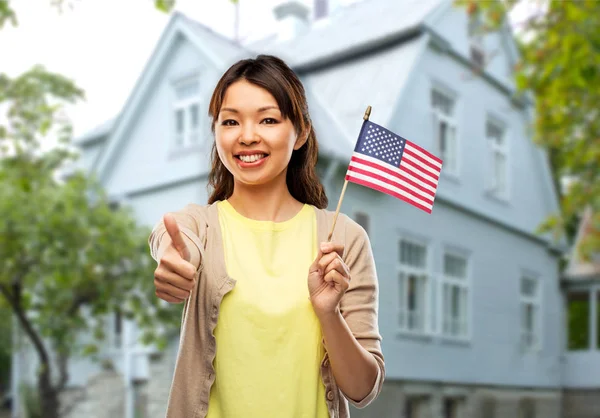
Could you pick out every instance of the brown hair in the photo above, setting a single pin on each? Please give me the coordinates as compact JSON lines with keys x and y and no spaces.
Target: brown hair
{"x":272,"y":74}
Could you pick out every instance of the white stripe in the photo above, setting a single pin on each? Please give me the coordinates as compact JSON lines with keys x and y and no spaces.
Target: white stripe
{"x":389,"y":187}
{"x":394,"y":179}
{"x":423,"y":155}
{"x":402,"y":172}
{"x":421,"y":166}
{"x":416,"y":169}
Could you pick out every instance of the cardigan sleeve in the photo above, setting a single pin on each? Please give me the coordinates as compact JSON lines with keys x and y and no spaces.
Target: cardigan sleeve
{"x":191,"y":229}
{"x":359,"y":305}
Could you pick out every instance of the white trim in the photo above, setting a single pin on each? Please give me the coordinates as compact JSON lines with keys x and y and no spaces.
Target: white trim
{"x":537,"y":302}
{"x":175,"y":28}
{"x":452,"y":121}
{"x":491,"y":149}
{"x":185,"y":105}
{"x":465,"y":284}
{"x":427,"y":323}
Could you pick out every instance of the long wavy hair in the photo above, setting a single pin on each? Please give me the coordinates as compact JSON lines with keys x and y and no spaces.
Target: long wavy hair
{"x":274,"y":75}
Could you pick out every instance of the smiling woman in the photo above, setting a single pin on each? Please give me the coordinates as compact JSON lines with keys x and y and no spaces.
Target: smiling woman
{"x":277,"y":322}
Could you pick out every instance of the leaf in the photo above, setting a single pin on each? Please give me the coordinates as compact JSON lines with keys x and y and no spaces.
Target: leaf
{"x":164,"y":5}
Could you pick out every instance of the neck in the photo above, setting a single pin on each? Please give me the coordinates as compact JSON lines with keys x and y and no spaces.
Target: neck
{"x":266,"y":202}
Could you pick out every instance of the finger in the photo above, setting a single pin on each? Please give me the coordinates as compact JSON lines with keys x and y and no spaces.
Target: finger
{"x":334,"y":278}
{"x":325,"y":260}
{"x":176,"y":236}
{"x":168,"y":298}
{"x":329,"y":247}
{"x":315,"y":265}
{"x":172,"y":261}
{"x":168,"y":279}
{"x":338,"y":265}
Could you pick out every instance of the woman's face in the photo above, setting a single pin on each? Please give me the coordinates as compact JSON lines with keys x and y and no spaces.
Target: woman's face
{"x":253,"y":141}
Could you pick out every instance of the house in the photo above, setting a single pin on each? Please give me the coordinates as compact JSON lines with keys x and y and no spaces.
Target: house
{"x":581,"y":287}
{"x":470,"y":295}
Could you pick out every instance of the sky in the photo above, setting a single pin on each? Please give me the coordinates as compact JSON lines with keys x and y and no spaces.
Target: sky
{"x":103,"y":45}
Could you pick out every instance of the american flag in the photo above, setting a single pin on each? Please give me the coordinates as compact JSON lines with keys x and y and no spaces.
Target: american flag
{"x":391,"y":164}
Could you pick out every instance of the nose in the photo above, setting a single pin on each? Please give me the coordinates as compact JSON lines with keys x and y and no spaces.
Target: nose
{"x":248,"y":135}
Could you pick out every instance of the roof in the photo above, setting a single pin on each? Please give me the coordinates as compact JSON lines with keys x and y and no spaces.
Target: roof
{"x":98,"y":132}
{"x":578,"y":268}
{"x":358,"y":25}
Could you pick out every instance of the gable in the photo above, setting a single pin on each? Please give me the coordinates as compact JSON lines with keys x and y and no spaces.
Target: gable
{"x":451,"y":23}
{"x":178,"y":28}
{"x":376,"y":80}
{"x":577,"y":267}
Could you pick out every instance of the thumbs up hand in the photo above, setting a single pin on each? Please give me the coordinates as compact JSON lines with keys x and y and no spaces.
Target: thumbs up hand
{"x":174,"y":278}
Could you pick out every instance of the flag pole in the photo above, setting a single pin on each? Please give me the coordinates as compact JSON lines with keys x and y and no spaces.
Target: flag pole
{"x":337,"y":211}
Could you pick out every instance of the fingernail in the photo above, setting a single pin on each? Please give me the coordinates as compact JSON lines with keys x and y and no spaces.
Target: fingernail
{"x":324,"y":246}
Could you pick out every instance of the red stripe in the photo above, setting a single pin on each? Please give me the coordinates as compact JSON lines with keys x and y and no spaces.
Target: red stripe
{"x":386,"y":191}
{"x":419,"y":171}
{"x":394,"y":173}
{"x":421,"y":159}
{"x":428,"y":198}
{"x":427,"y":153}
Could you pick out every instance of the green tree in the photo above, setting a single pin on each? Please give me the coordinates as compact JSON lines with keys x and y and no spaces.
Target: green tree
{"x":69,"y":257}
{"x":560,"y":66}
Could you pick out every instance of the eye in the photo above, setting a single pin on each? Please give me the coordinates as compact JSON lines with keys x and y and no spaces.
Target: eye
{"x":229,"y":122}
{"x":269,"y":121}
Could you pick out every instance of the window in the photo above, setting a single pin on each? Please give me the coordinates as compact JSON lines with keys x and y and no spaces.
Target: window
{"x":476,"y":46}
{"x":363,"y":220}
{"x":187,"y":113}
{"x":530,"y":312}
{"x":527,"y":408}
{"x":488,"y":407}
{"x":578,"y":320}
{"x":453,"y":407}
{"x":455,"y":296}
{"x":414,"y":407}
{"x":444,"y":128}
{"x":496,"y":139}
{"x":413,"y":286}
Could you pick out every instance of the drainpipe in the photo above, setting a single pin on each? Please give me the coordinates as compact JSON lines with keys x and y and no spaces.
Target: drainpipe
{"x":128,"y":369}
{"x":15,"y":369}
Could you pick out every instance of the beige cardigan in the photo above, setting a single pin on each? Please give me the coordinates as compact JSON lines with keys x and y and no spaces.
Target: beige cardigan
{"x":194,"y":372}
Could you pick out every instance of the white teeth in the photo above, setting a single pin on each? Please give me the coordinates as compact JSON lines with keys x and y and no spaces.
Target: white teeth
{"x":251,"y":158}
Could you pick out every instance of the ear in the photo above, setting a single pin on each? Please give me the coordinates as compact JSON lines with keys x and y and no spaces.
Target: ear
{"x":302,"y":138}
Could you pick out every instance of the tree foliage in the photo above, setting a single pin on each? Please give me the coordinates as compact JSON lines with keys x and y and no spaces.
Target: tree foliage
{"x":560,"y":65}
{"x":69,"y":255}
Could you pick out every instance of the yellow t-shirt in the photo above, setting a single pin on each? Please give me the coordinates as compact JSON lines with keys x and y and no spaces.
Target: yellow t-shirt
{"x":269,"y":340}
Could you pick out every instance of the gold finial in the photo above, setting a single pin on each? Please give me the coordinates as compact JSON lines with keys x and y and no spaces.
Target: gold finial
{"x":367,"y":113}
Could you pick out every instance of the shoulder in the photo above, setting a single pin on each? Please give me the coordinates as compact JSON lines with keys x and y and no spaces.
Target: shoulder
{"x":352,"y":230}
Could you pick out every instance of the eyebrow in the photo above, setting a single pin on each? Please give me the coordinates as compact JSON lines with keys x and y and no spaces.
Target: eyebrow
{"x":260,"y":109}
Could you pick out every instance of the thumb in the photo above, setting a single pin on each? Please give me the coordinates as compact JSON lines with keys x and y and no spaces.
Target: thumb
{"x":315,"y":264}
{"x":176,"y":237}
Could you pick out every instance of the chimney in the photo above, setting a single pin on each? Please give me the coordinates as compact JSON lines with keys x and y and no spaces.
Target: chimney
{"x":292,"y":19}
{"x":325,"y":8}
{"x":320,"y":8}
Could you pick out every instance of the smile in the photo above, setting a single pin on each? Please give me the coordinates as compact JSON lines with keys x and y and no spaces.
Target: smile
{"x":254,"y":160}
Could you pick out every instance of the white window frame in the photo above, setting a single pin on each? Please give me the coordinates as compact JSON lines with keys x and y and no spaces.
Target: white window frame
{"x":402,"y":308}
{"x":476,"y":40}
{"x":493,"y":149}
{"x":451,"y":121}
{"x":185,"y":104}
{"x":463,"y":284}
{"x":531,"y":340}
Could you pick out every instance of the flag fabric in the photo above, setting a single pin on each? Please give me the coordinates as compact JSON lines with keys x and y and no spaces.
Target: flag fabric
{"x":391,"y":164}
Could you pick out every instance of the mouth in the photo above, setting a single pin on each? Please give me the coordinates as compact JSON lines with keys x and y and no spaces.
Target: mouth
{"x":251,"y":158}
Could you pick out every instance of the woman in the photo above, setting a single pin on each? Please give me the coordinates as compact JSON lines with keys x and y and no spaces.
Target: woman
{"x":277,"y":322}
